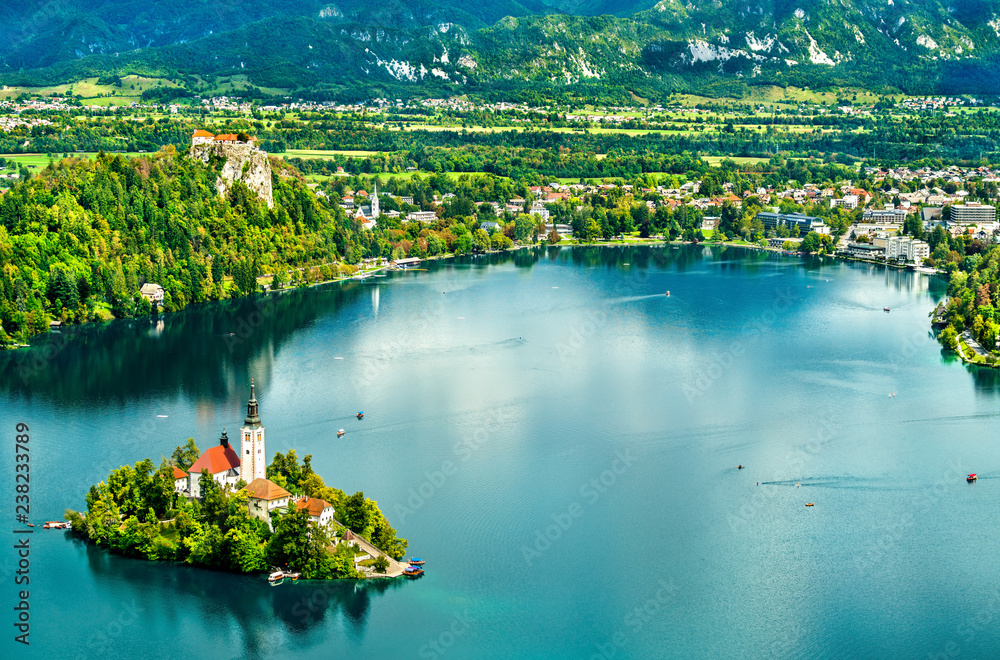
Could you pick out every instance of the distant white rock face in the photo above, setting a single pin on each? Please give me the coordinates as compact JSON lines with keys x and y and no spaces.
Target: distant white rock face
{"x":926,"y":42}
{"x":467,"y":62}
{"x":799,"y":13}
{"x":816,"y":54}
{"x":330,"y":11}
{"x":764,"y":44}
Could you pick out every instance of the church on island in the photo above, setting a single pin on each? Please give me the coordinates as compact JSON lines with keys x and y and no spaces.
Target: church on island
{"x":227,"y":467}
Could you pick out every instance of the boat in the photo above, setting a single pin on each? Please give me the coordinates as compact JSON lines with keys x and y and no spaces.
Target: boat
{"x":972,"y":477}
{"x":416,"y":561}
{"x":668,"y":294}
{"x":293,"y":576}
{"x":885,"y":309}
{"x":341,"y":433}
{"x":54,"y":524}
{"x":413,"y":571}
{"x":276,"y":576}
{"x":361,"y":414}
{"x":810,"y":504}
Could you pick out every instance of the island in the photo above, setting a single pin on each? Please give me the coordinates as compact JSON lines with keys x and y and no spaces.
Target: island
{"x":229,"y":511}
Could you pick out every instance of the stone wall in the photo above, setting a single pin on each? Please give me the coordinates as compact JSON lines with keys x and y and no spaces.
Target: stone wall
{"x":243,"y":162}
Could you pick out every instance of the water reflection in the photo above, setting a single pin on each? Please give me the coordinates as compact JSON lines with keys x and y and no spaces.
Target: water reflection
{"x":209,"y":352}
{"x":248,"y":601}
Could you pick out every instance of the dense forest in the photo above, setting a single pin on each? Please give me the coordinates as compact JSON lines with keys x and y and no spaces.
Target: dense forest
{"x":137,"y":513}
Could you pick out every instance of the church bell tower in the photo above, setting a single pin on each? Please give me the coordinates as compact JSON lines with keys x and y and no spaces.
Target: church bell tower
{"x":253,"y":458}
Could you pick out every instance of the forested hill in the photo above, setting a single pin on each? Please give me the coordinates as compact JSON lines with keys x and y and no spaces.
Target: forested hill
{"x":430,"y":47}
{"x":77,"y":240}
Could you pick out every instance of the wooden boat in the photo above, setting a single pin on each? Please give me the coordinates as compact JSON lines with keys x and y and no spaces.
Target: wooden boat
{"x":341,"y":433}
{"x":361,"y":414}
{"x":416,"y":561}
{"x":413,"y":571}
{"x":810,"y":504}
{"x":972,"y":477}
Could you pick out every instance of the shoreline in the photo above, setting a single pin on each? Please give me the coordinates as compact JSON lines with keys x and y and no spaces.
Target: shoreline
{"x":386,"y":267}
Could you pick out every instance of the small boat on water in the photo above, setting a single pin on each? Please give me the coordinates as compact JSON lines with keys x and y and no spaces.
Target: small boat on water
{"x":972,"y":477}
{"x":340,"y":433}
{"x":413,"y":571}
{"x":885,"y":309}
{"x":276,"y":576}
{"x":53,"y":524}
{"x":293,"y":576}
{"x":668,"y":294}
{"x":416,"y":561}
{"x":810,"y":504}
{"x":361,"y":414}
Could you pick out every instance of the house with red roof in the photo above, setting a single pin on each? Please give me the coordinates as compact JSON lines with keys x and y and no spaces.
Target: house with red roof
{"x":320,"y":511}
{"x":221,"y":462}
{"x":265,"y":497}
{"x":180,"y":480}
{"x":202,"y":137}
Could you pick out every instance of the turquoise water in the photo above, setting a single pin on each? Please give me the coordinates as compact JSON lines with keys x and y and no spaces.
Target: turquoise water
{"x":559,"y":440}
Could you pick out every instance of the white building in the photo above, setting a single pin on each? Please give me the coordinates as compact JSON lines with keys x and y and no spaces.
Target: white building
{"x":202,"y":137}
{"x":421,"y":216}
{"x":905,"y":248}
{"x":847,"y":201}
{"x":320,"y":511}
{"x":973,"y":213}
{"x":180,"y":480}
{"x":152,"y":292}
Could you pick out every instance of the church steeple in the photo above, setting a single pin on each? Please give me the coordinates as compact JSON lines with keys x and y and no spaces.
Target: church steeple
{"x":252,"y":417}
{"x":253,"y":456}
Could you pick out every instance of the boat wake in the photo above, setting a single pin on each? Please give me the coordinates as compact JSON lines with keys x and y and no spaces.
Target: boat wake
{"x":827,"y":482}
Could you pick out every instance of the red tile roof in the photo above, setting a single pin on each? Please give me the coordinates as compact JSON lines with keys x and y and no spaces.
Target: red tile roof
{"x":265,"y":489}
{"x":314,"y":504}
{"x":228,"y":137}
{"x":201,"y":133}
{"x":179,"y":473}
{"x":215,"y":460}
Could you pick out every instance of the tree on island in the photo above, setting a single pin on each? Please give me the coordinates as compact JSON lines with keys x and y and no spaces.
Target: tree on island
{"x":185,"y":455}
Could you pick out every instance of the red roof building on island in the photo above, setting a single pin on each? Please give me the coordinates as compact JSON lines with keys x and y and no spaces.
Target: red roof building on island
{"x":179,"y":473}
{"x":222,"y":463}
{"x":215,"y":460}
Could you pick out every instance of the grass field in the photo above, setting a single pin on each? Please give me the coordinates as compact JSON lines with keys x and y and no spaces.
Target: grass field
{"x":322,"y":153}
{"x":36,"y":162}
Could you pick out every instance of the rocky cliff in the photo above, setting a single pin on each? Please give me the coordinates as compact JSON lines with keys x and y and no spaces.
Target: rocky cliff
{"x":243,"y":162}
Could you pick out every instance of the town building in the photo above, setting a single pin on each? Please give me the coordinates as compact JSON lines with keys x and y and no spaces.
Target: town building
{"x":368,"y":214}
{"x":972,"y":213}
{"x":773,"y":220}
{"x":883,"y":216}
{"x":865,"y":251}
{"x":906,"y":248}
{"x":421,"y":216}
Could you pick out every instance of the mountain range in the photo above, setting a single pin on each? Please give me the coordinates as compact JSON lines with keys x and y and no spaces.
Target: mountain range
{"x":448,"y":46}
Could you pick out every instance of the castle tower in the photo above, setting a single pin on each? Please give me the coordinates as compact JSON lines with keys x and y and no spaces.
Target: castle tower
{"x":253,"y":457}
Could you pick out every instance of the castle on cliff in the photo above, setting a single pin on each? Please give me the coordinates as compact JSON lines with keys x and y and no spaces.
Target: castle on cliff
{"x":243,"y":160}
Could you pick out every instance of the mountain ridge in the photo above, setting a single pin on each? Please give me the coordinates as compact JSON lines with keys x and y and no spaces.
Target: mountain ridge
{"x":447,"y":46}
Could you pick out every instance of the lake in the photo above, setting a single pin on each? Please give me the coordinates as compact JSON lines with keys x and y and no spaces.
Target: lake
{"x":559,"y":440}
